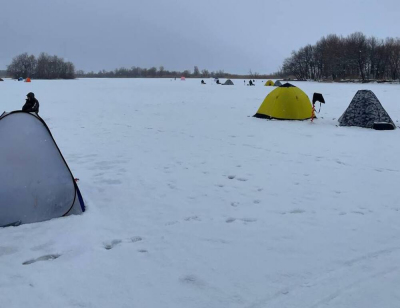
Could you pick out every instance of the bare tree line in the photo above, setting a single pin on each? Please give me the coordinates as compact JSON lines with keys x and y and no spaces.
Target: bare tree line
{"x":161,"y":72}
{"x":355,"y":56}
{"x":43,"y":67}
{"x":54,"y":67}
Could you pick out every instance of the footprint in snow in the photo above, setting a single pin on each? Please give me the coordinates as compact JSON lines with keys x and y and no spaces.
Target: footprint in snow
{"x":191,"y":218}
{"x":231,"y":177}
{"x":113,"y":243}
{"x":192,"y":280}
{"x":42,"y":258}
{"x":242,"y":179}
{"x":170,"y":223}
{"x":136,"y":239}
{"x":7,"y":250}
{"x":229,"y":220}
{"x":248,"y":219}
{"x":297,"y":211}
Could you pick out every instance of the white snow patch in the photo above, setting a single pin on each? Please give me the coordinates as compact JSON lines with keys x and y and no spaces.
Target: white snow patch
{"x":192,"y":202}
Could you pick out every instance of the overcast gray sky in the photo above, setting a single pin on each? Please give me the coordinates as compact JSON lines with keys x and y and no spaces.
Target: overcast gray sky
{"x":233,"y":35}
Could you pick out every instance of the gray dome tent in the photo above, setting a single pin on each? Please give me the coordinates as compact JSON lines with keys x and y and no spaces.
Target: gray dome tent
{"x":277,"y":83}
{"x":228,"y":83}
{"x":365,"y":110}
{"x":36,"y":183}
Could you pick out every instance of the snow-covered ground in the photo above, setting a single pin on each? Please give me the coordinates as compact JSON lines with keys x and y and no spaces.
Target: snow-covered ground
{"x":194,"y":203}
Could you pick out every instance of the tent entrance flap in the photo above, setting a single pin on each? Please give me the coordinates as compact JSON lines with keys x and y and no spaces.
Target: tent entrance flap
{"x":383,"y":126}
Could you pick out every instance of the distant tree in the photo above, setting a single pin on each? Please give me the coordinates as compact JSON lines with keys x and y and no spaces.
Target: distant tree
{"x":196,"y":72}
{"x":219,"y":74}
{"x":393,"y":47}
{"x":205,"y":73}
{"x":80,"y":73}
{"x":53,"y":67}
{"x":161,"y":71}
{"x":22,"y":65}
{"x":68,"y":70}
{"x":354,"y":56}
{"x":152,"y":72}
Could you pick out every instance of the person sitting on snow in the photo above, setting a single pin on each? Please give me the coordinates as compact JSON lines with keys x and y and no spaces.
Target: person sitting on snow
{"x":251,"y":83}
{"x":202,"y":82}
{"x":31,"y":104}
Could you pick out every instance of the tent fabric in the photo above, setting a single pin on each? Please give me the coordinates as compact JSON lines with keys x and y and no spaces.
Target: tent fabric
{"x":20,"y":79}
{"x":365,"y":110}
{"x":183,"y":78}
{"x":1,"y":79}
{"x":277,"y":83}
{"x":286,"y":102}
{"x":228,"y":83}
{"x":269,"y":83}
{"x":28,"y":80}
{"x":36,"y":183}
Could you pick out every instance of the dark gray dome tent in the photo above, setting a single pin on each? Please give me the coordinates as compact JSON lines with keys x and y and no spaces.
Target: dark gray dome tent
{"x":36,"y":183}
{"x":277,"y":83}
{"x":365,"y":110}
{"x":228,"y":83}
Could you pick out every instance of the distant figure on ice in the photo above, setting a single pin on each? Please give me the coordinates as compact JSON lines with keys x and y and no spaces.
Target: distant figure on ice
{"x":218,"y":81}
{"x":202,"y":82}
{"x":31,"y":104}
{"x":251,"y":83}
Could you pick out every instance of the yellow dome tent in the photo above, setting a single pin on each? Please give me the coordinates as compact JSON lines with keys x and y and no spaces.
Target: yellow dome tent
{"x":269,"y":83}
{"x":286,"y":102}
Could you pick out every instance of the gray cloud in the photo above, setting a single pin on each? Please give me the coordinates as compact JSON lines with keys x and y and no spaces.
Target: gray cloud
{"x":216,"y":34}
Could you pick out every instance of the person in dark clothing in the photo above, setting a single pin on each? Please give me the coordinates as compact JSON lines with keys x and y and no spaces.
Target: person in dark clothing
{"x":202,"y":82}
{"x":250,"y":83}
{"x":31,"y":104}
